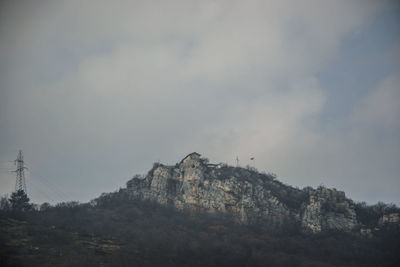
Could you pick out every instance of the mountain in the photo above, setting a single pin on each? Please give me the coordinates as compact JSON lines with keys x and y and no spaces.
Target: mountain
{"x":251,"y":197}
{"x":200,"y":214}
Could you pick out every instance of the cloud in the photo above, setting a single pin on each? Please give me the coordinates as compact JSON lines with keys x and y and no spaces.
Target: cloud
{"x":108,"y":88}
{"x":380,"y":109}
{"x":358,"y":154}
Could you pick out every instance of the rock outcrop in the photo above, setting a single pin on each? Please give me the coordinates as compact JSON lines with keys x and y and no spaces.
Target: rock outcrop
{"x":328,"y":209}
{"x":392,"y":218}
{"x":248,"y":195}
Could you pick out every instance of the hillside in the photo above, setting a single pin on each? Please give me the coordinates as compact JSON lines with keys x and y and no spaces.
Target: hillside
{"x":200,"y":214}
{"x":249,"y":196}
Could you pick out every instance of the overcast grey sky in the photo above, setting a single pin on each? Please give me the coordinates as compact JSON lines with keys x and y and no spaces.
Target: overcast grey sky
{"x":94,"y":92}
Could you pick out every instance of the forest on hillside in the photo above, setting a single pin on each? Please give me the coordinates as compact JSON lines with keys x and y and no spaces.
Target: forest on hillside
{"x":115,"y":230}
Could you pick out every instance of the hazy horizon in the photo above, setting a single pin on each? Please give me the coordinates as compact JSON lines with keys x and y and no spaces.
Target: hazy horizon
{"x":94,"y":92}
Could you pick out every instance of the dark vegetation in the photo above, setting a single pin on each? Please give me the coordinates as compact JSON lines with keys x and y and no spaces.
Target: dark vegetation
{"x":290,"y":196}
{"x":114,"y":230}
{"x":369,"y":215}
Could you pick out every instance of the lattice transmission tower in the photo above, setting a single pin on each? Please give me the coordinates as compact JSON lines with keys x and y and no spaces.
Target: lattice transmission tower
{"x":20,"y":180}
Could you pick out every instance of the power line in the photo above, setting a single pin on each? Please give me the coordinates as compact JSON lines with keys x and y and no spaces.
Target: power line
{"x":51,"y":187}
{"x":20,"y":182}
{"x":46,"y":188}
{"x":42,"y":193}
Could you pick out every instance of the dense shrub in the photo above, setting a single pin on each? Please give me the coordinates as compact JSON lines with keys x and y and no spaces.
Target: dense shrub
{"x":115,"y":230}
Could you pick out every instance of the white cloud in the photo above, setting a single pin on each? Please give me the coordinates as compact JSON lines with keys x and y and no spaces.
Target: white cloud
{"x":104,"y":82}
{"x":359,"y":154}
{"x":381,"y":108}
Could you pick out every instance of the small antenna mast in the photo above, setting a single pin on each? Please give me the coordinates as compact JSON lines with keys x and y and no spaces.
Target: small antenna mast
{"x":254,"y":161}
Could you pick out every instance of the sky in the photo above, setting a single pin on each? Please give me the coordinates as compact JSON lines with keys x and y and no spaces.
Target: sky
{"x":95,"y":92}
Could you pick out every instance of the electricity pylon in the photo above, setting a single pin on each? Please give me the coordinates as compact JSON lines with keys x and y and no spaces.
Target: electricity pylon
{"x":20,"y":180}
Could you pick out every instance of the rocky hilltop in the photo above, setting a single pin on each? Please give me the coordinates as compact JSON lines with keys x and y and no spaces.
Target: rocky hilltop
{"x":245,"y":193}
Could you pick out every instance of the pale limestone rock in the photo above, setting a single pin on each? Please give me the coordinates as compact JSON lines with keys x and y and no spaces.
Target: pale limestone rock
{"x":366,"y":232}
{"x":328,"y":209}
{"x":392,"y":218}
{"x":248,"y":195}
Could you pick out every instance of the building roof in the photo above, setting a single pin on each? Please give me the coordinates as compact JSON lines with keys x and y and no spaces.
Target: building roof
{"x":191,"y":154}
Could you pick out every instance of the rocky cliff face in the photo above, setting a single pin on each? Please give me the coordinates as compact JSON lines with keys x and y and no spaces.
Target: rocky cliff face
{"x":327,"y":209}
{"x":246,"y":194}
{"x":392,"y":218}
